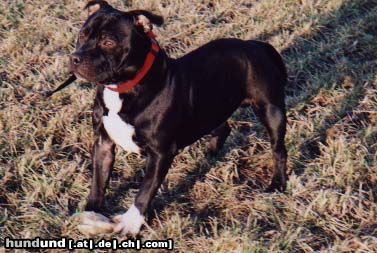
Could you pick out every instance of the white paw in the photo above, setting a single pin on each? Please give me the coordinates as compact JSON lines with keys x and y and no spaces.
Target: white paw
{"x":129,"y":222}
{"x":92,"y":224}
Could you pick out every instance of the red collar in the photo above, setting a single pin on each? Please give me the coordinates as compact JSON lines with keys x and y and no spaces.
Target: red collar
{"x":128,"y":85}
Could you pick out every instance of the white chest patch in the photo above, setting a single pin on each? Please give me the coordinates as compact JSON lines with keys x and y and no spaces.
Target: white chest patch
{"x":118,"y":130}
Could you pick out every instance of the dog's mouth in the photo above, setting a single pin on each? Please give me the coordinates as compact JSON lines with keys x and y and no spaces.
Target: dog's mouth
{"x":103,"y":71}
{"x":97,"y":79}
{"x":79,"y":76}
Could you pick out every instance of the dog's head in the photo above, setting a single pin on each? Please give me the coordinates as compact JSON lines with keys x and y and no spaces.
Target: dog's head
{"x":112,"y":44}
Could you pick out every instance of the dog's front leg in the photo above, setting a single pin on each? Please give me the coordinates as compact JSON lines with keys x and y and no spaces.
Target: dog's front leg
{"x":103,"y":155}
{"x":158,"y":164}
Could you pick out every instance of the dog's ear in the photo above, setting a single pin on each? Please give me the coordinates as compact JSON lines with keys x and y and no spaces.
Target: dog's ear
{"x":95,"y":5}
{"x":146,"y":19}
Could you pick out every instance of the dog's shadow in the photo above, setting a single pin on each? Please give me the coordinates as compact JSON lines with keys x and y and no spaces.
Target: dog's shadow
{"x":301,"y":89}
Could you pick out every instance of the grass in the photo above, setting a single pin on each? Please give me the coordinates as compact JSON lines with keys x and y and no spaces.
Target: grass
{"x":206,"y":204}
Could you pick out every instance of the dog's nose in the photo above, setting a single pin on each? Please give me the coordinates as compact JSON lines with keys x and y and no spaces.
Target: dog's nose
{"x":76,"y":60}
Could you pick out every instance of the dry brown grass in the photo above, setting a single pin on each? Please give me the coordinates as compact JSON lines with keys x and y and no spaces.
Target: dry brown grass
{"x":206,"y":205}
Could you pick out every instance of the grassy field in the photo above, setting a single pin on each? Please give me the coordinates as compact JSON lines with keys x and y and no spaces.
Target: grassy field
{"x":207,"y":204}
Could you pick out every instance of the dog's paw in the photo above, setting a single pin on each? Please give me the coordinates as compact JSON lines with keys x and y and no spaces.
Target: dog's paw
{"x":129,"y":222}
{"x":278,"y":183}
{"x":92,"y":224}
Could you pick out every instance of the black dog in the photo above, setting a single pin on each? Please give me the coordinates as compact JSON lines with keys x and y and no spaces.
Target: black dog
{"x":151,"y":104}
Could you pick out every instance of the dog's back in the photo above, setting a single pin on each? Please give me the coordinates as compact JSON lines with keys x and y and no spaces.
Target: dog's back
{"x":217,"y":77}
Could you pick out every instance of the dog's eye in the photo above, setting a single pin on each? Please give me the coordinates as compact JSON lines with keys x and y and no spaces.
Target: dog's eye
{"x":107,"y":43}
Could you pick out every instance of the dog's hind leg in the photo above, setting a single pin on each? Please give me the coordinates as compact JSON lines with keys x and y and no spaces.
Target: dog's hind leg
{"x":103,"y":155}
{"x":218,"y":137}
{"x":274,"y":119}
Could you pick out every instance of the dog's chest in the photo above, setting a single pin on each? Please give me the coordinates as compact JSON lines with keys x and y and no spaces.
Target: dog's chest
{"x":118,"y":130}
